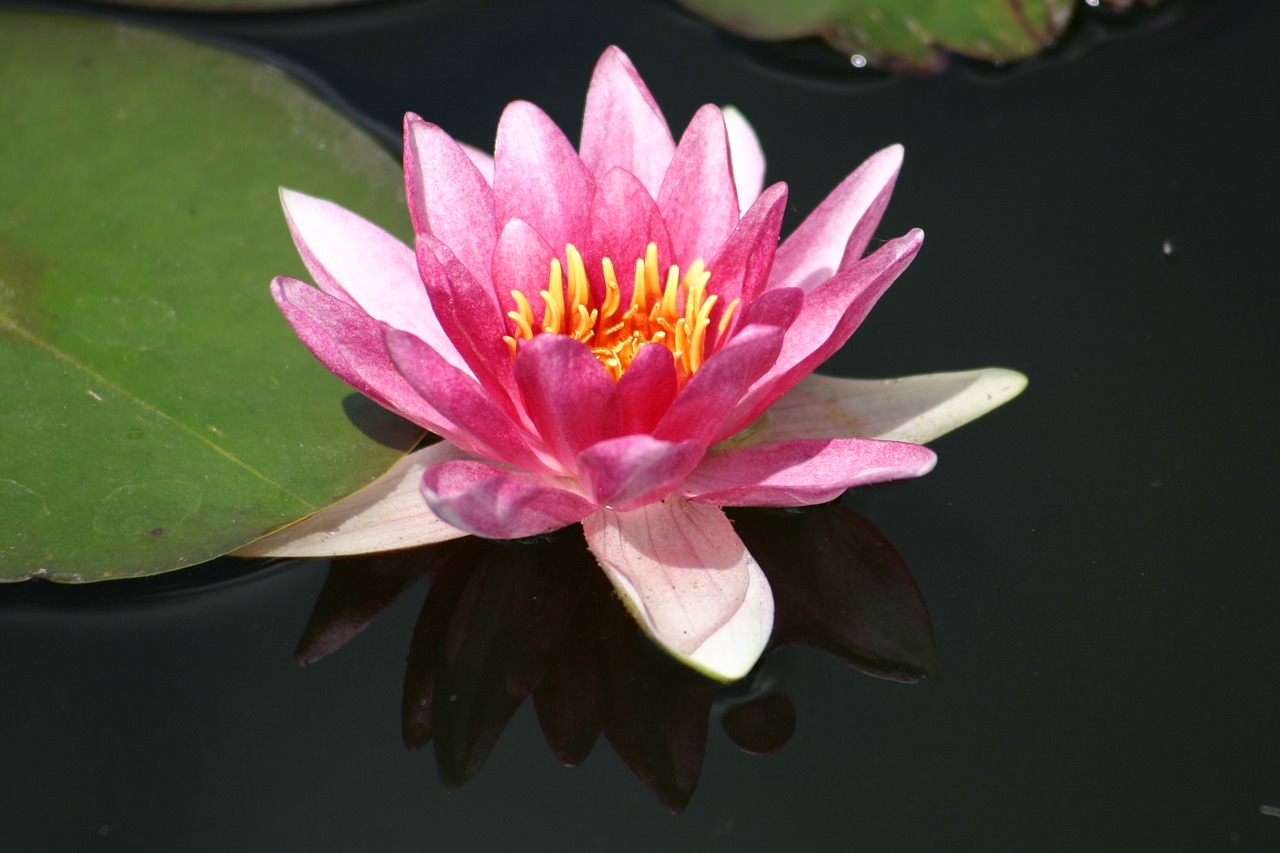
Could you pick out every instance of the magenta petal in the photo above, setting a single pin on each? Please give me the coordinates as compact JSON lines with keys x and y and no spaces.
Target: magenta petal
{"x":623,"y":473}
{"x":689,"y":581}
{"x":624,"y":221}
{"x":448,"y":196}
{"x":499,"y":503}
{"x":470,"y":314}
{"x":830,"y":315}
{"x":538,"y":177}
{"x":521,"y":262}
{"x":622,"y":125}
{"x":361,"y":264}
{"x":570,"y":397}
{"x":742,"y":266}
{"x":647,"y":388}
{"x":802,"y":472}
{"x":838,"y":230}
{"x":707,"y":398}
{"x":350,"y":344}
{"x":698,"y":198}
{"x":461,"y":399}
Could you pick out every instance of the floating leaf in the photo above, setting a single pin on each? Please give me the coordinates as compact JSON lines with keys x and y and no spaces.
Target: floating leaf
{"x":157,"y":411}
{"x":909,"y":34}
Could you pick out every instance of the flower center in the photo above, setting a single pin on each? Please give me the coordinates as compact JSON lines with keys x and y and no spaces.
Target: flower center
{"x":676,"y":315}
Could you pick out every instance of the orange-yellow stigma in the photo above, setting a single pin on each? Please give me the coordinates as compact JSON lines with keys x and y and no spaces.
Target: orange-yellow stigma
{"x":676,"y":314}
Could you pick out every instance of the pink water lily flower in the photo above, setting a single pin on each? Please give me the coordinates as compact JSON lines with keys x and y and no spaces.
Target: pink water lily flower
{"x":613,"y":336}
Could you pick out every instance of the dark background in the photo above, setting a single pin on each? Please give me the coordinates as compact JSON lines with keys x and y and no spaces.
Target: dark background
{"x":1097,"y":556}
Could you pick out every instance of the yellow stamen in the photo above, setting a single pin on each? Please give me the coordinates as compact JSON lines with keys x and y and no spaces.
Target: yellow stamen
{"x":675,"y":314}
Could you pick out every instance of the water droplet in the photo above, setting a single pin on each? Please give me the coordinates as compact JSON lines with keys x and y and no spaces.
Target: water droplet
{"x":858,"y":61}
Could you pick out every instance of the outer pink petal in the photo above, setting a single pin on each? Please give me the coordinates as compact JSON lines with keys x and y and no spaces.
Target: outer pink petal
{"x":742,"y":266}
{"x":627,"y":472}
{"x":350,"y":344}
{"x":361,"y":264}
{"x":840,"y":227}
{"x":698,"y":198}
{"x":538,"y":177}
{"x":690,"y":582}
{"x":461,"y":399}
{"x":624,"y":221}
{"x":570,"y":397}
{"x":707,"y":398}
{"x":831,"y":314}
{"x":448,"y":196}
{"x":647,"y":388}
{"x":499,"y":503}
{"x":747,"y":157}
{"x":622,"y":125}
{"x":798,"y":473}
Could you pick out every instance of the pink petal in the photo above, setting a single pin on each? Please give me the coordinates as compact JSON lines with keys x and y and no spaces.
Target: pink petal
{"x":647,"y":388}
{"x":743,"y":263}
{"x":448,"y":196}
{"x":461,"y":399}
{"x":803,"y":472}
{"x":622,"y":125}
{"x":830,"y":315}
{"x":361,"y":264}
{"x":698,"y":198}
{"x":499,"y":503}
{"x":840,"y":227}
{"x":482,"y":160}
{"x":473,"y":319}
{"x":627,"y":472}
{"x":351,"y":345}
{"x":538,"y":177}
{"x":521,"y":261}
{"x":706,"y":399}
{"x":624,"y":221}
{"x":386,"y":515}
{"x":689,"y":581}
{"x":746,"y":155}
{"x":570,"y":397}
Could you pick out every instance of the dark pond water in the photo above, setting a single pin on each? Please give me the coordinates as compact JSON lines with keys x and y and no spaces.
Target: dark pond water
{"x":1098,"y":557}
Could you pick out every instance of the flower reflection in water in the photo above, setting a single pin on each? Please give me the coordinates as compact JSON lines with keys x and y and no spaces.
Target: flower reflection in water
{"x":504,"y":621}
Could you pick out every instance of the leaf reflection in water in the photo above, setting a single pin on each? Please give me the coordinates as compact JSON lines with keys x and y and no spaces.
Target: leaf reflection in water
{"x":507,"y":620}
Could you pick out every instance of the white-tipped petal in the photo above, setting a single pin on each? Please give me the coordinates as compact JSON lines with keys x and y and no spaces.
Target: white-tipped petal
{"x":387,"y":515}
{"x":689,"y":581}
{"x":746,"y":155}
{"x":915,"y":409}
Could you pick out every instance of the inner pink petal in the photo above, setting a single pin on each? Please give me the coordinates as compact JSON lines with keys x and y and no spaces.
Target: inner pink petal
{"x":538,"y":177}
{"x":698,"y":199}
{"x":622,"y":126}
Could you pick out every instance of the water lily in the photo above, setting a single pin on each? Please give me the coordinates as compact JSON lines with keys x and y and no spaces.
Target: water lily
{"x":614,"y":336}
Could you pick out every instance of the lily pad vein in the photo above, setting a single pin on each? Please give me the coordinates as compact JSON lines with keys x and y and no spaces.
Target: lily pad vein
{"x":36,"y":340}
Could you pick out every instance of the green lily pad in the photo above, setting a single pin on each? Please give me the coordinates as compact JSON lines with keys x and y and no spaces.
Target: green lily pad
{"x":905,"y":34}
{"x":157,"y":410}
